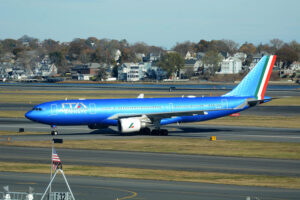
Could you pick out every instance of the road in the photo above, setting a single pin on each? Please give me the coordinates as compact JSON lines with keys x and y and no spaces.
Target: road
{"x":94,"y":188}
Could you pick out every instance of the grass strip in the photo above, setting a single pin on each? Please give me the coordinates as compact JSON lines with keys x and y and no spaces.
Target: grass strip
{"x":12,"y":114}
{"x":275,"y":150}
{"x":13,"y":133}
{"x":284,"y":101}
{"x":152,"y":174}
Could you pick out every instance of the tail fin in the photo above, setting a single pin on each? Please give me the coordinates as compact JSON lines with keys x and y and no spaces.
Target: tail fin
{"x":256,"y":81}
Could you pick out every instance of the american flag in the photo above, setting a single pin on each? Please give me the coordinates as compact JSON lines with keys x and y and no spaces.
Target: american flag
{"x":55,"y":160}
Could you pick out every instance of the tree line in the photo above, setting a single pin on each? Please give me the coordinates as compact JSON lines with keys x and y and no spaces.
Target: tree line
{"x":26,"y":50}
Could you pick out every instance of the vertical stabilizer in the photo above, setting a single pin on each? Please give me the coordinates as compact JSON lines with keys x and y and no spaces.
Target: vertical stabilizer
{"x":256,"y":81}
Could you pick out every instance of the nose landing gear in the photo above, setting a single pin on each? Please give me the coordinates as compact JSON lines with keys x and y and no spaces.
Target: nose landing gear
{"x":54,"y":131}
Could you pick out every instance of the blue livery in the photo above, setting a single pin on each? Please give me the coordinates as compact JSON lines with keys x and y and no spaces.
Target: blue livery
{"x":138,"y":115}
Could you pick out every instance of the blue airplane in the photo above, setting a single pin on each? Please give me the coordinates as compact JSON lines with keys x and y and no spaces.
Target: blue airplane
{"x":137,"y":115}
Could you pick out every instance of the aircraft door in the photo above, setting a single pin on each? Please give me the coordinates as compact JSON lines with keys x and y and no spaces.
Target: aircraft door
{"x":53,"y":109}
{"x":224,"y":104}
{"x":171,"y":107}
{"x":92,"y":108}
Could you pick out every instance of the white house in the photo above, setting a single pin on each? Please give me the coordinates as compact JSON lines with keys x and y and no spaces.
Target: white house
{"x":240,"y":55}
{"x":231,"y":65}
{"x":295,"y":66}
{"x":131,"y":72}
{"x":45,"y":70}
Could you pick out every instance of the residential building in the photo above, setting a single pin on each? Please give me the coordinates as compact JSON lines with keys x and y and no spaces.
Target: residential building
{"x":150,"y":57}
{"x":130,"y":72}
{"x":89,"y":68}
{"x":46,"y":70}
{"x":231,"y":65}
{"x":295,"y":66}
{"x":240,"y":55}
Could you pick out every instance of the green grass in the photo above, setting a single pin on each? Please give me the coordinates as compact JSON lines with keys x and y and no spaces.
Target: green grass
{"x":284,"y":101}
{"x":12,"y":133}
{"x":12,"y":114}
{"x":152,"y":174}
{"x":276,"y":150}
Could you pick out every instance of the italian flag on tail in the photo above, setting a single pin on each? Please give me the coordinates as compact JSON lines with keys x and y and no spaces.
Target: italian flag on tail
{"x":265,"y":76}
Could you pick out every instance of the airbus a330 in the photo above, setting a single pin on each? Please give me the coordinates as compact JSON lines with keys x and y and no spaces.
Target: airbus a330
{"x":140,"y":114}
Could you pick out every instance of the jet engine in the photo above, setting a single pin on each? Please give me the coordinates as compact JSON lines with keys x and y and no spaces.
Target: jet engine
{"x":129,"y":125}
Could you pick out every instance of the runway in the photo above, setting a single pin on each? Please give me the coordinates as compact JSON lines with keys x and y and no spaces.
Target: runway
{"x":112,"y":188}
{"x":181,"y":131}
{"x":166,"y":161}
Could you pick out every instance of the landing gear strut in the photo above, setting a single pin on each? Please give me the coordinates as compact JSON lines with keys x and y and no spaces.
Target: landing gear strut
{"x":54,"y":131}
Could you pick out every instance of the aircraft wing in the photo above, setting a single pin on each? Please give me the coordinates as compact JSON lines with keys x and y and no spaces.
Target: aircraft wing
{"x":161,"y":115}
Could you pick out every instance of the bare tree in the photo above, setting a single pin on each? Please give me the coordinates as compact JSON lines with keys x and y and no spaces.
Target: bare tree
{"x":276,"y":43}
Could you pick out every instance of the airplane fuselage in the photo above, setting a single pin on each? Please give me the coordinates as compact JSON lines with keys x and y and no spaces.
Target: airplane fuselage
{"x":98,"y":111}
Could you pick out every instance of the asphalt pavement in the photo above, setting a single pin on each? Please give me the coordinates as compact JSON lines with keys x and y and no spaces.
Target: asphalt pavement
{"x":166,"y":161}
{"x":175,"y":131}
{"x":95,"y":188}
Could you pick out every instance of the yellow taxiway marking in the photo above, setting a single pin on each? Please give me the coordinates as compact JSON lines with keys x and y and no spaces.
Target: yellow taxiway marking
{"x":133,"y":194}
{"x":26,"y":183}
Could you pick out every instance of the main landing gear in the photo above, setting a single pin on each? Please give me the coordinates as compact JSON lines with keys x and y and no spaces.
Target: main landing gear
{"x":54,"y":131}
{"x":147,"y":131}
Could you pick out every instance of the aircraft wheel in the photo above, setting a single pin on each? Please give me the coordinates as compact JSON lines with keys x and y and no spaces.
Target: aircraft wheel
{"x":165,"y":132}
{"x":54,"y":133}
{"x":155,"y":132}
{"x":145,"y":131}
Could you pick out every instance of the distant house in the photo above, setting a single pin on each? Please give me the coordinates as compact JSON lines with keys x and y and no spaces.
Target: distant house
{"x":140,"y":71}
{"x":189,"y":55}
{"x":150,"y":57}
{"x":84,"y":77}
{"x":118,"y":54}
{"x":295,"y":66}
{"x":190,"y":65}
{"x":231,"y":65}
{"x":89,"y":68}
{"x":130,"y":72}
{"x":240,"y":55}
{"x":140,"y":56}
{"x":256,"y":59}
{"x":45,"y":68}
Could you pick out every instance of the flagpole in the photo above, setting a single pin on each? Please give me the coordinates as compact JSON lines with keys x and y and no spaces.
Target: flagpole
{"x":51,"y":164}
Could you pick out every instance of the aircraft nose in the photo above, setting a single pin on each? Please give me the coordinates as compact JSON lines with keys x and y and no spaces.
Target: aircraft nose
{"x":29,"y":115}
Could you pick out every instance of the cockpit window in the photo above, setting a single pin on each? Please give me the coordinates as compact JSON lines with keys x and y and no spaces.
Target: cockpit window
{"x":37,"y":109}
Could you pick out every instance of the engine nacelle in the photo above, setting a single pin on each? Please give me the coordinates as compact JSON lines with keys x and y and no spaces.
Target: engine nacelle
{"x":97,"y":126}
{"x":129,"y":125}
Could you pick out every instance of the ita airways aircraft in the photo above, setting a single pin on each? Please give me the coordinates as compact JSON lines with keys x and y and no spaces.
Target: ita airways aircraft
{"x":138,"y":115}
